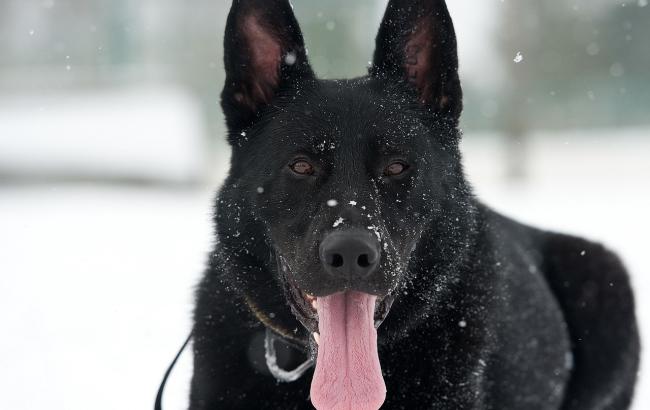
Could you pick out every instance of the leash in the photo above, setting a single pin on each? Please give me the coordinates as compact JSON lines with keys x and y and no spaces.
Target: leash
{"x":280,"y":375}
{"x":273,"y":333}
{"x":158,"y":404}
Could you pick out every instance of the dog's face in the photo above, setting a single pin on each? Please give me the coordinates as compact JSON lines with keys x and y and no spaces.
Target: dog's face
{"x":349,"y":180}
{"x":344,"y":175}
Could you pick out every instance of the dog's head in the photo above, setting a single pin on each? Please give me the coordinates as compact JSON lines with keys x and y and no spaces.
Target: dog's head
{"x":343,"y":178}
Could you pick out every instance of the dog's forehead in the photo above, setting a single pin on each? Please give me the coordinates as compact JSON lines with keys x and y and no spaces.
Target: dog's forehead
{"x":345,"y":112}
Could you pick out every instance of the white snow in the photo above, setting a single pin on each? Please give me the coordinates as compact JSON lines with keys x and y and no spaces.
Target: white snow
{"x":290,"y":58}
{"x":338,"y":222}
{"x":617,"y":70}
{"x":96,"y":289}
{"x":152,"y":133}
{"x":375,"y":230}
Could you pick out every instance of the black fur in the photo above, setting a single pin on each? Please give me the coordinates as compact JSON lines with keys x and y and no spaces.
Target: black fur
{"x":487,"y":313}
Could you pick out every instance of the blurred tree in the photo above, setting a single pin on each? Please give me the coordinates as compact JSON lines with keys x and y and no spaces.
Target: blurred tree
{"x":340,"y":36}
{"x":585,"y":63}
{"x":582,"y":67}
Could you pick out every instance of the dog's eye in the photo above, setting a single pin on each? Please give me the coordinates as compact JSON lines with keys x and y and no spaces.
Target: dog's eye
{"x":302,"y":167}
{"x":394,"y":169}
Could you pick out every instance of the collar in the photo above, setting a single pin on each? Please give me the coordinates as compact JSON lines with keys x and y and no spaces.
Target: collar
{"x":274,"y":331}
{"x":269,"y":323}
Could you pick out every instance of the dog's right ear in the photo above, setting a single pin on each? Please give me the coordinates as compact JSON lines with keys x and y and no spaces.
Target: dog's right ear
{"x":264,"y":51}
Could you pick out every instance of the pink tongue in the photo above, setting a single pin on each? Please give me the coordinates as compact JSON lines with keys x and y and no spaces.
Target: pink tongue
{"x":348,"y":374}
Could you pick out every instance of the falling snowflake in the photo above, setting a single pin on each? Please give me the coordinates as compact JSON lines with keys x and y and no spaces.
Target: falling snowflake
{"x":518,"y":58}
{"x":290,"y":58}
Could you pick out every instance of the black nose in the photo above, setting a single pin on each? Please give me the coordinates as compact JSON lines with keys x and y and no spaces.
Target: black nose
{"x":352,"y":253}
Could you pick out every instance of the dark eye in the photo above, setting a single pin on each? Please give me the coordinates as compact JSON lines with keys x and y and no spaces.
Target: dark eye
{"x":302,"y":167}
{"x":395,"y":169}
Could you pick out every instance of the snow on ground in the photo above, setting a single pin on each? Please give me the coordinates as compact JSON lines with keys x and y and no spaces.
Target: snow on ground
{"x":136,"y":133}
{"x":95,"y":293}
{"x":96,"y":280}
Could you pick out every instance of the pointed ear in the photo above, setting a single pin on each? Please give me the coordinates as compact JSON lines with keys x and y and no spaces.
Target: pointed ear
{"x":416,"y":44}
{"x":263,"y":52}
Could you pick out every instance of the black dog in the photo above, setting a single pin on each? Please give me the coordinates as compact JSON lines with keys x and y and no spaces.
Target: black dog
{"x":346,"y":200}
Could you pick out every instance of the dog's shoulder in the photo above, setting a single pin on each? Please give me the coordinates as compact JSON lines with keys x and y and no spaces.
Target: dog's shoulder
{"x":593,"y":290}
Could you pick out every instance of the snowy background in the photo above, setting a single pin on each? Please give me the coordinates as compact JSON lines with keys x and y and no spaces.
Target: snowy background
{"x":111,"y":148}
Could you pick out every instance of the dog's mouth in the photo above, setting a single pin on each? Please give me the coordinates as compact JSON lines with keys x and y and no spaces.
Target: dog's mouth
{"x":344,"y":335}
{"x":305,"y":306}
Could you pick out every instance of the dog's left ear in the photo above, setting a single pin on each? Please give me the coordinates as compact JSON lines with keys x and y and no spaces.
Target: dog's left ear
{"x":416,"y":44}
{"x":264,"y":51}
